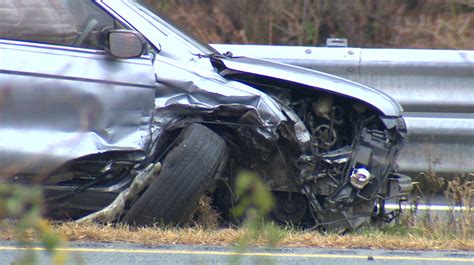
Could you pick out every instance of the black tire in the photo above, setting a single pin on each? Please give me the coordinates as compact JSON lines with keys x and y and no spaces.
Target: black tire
{"x":188,"y":170}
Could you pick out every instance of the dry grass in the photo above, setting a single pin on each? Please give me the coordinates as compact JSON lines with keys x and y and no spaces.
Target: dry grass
{"x":411,"y":232}
{"x":377,"y":239}
{"x":205,"y":215}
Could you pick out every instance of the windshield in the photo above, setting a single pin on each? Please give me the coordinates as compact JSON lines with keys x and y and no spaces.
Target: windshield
{"x":167,"y":23}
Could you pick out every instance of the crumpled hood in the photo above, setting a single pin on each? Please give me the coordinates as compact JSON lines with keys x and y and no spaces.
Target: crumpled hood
{"x":314,"y":79}
{"x":189,"y":90}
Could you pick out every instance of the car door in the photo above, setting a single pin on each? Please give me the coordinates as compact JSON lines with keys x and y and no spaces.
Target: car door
{"x":64,"y":98}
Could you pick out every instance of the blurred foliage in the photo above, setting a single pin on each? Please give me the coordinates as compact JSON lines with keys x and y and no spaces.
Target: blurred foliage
{"x":255,"y":202}
{"x":22,"y":206}
{"x":365,"y":23}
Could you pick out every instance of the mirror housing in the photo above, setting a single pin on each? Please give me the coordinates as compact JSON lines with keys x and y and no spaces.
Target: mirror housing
{"x":125,"y":44}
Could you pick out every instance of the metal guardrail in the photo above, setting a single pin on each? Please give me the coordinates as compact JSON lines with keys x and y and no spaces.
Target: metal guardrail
{"x":435,"y":88}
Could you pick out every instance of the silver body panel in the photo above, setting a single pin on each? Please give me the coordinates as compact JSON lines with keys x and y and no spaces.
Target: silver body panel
{"x":192,"y":90}
{"x":60,"y":104}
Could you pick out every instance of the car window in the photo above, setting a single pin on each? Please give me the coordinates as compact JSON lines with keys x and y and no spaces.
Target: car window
{"x":77,"y":23}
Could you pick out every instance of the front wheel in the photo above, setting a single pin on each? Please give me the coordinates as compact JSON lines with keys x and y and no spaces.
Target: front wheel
{"x":188,"y":170}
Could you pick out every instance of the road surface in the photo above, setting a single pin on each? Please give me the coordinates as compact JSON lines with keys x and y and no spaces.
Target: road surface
{"x":129,"y":254}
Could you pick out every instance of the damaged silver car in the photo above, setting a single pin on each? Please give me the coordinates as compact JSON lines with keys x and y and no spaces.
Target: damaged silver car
{"x":121,"y":116}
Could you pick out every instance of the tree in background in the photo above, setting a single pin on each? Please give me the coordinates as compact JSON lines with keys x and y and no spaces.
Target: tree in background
{"x":365,"y":23}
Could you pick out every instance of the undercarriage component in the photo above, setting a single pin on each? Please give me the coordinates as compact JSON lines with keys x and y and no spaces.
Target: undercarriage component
{"x":349,"y":218}
{"x":117,"y":207}
{"x":290,"y":208}
{"x":399,"y":185}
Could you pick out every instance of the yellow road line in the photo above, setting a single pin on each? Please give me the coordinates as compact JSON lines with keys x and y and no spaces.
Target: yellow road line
{"x":228,"y":253}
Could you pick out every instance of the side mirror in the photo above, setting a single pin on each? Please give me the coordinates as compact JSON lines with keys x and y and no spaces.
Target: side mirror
{"x":126,"y":44}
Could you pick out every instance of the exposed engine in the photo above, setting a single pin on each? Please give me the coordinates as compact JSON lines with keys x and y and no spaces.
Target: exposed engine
{"x":332,"y":168}
{"x":352,"y":154}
